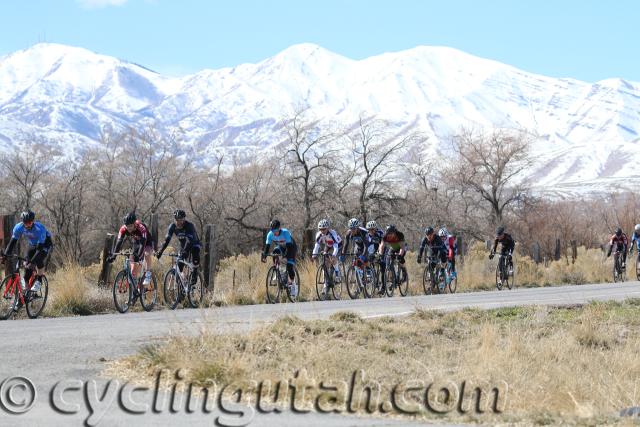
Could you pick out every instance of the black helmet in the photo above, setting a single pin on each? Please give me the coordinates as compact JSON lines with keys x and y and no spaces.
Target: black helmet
{"x":179,"y":214}
{"x":129,"y":218}
{"x":391,"y":228}
{"x":428,"y":231}
{"x":500,"y":231}
{"x":27,"y":216}
{"x":619,"y":232}
{"x":274,"y":224}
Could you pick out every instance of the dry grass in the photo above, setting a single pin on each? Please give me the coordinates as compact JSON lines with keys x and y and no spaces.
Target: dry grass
{"x":563,"y":366}
{"x":72,"y":293}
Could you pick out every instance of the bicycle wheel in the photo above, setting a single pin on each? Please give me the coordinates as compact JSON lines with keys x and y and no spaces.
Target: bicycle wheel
{"x":615,"y":268}
{"x":638,"y":266}
{"x":273,"y":286}
{"x":196,"y":291}
{"x":369,"y":281}
{"x":122,"y":292}
{"x":453,"y":285}
{"x":390,"y":279}
{"x":297,"y":282}
{"x":36,"y":300}
{"x":353,"y":283}
{"x":322,"y":283}
{"x":8,"y":297}
{"x":498,"y":275}
{"x":403,"y":281}
{"x":172,"y":288}
{"x":427,"y":280}
{"x":149,"y":293}
{"x":336,"y":289}
{"x":509,"y":274}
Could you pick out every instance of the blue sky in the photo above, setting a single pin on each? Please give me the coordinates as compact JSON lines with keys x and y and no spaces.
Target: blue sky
{"x":588,"y":39}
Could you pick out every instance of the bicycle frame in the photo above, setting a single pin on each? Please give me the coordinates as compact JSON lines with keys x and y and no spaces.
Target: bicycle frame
{"x":14,"y":282}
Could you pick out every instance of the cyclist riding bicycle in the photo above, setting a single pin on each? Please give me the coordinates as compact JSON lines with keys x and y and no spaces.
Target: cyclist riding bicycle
{"x":374,"y":238}
{"x":507,"y":246}
{"x":392,"y":240}
{"x":40,"y":245}
{"x":620,"y":240}
{"x":635,"y":238}
{"x":285,"y":246}
{"x":452,"y":248}
{"x":142,"y":245}
{"x":359,"y":236}
{"x":434,"y":243}
{"x":187,"y":235}
{"x":331,"y":240}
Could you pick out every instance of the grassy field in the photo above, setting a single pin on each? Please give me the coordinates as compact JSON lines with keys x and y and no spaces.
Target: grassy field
{"x":559,"y":366}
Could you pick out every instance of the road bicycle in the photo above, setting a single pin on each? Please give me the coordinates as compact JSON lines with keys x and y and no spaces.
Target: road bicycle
{"x":325,"y":279}
{"x":14,"y":296}
{"x":362,"y":278}
{"x":619,"y":272}
{"x":178,"y":285}
{"x":127,"y":288}
{"x":505,"y":272}
{"x":395,"y":275}
{"x":278,"y":281}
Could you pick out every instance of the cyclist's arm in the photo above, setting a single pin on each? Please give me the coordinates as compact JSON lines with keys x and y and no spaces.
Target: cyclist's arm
{"x":167,"y":238}
{"x":345,"y":245}
{"x":316,"y":248}
{"x":495,"y":245}
{"x":10,"y":246}
{"x":267,"y":243}
{"x":121,"y":235}
{"x":423,"y":245}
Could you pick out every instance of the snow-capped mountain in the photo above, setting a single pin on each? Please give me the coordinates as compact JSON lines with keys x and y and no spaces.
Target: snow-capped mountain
{"x":589,"y":133}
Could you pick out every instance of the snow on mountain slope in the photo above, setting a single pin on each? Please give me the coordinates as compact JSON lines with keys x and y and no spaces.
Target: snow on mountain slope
{"x":589,"y":133}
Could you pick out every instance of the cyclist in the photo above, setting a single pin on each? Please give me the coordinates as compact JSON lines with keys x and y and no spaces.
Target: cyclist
{"x":452,"y":248}
{"x":331,"y":241}
{"x":187,"y":235}
{"x":434,"y":243}
{"x":285,"y":246}
{"x":507,"y":246}
{"x":392,"y":240}
{"x":358,"y":235}
{"x":40,"y":245}
{"x":622,"y":242}
{"x":635,"y":238}
{"x":374,"y":238}
{"x":142,"y":245}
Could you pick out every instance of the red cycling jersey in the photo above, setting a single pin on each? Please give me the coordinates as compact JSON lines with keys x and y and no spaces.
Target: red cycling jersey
{"x":619,"y":241}
{"x":140,"y":232}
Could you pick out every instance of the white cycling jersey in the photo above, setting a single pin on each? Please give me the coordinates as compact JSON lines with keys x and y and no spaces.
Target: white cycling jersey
{"x":331,"y":241}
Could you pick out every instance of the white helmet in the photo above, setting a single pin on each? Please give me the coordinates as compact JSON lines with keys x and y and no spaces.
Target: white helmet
{"x":443,"y":232}
{"x":372,"y":224}
{"x":324,"y":223}
{"x":354,"y":223}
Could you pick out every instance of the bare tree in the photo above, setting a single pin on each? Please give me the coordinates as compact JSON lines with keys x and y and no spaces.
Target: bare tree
{"x":491,"y":164}
{"x":26,"y":172}
{"x":375,"y":155}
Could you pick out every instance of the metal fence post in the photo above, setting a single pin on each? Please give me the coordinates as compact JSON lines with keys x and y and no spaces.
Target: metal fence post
{"x":209,"y":256}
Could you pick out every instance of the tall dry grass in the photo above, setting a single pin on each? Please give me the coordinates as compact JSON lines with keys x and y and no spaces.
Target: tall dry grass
{"x":562,"y":366}
{"x":72,"y":292}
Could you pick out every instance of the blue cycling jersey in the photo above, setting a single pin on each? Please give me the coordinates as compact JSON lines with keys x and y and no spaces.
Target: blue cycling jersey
{"x":37,"y":234}
{"x":282,"y":239}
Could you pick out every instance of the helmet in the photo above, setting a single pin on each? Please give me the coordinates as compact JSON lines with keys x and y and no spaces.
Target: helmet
{"x":618,"y":231}
{"x":391,"y":228}
{"x":500,"y":231}
{"x":129,"y":218}
{"x":428,"y":231}
{"x":27,"y":216}
{"x":354,"y":223}
{"x":324,"y":223}
{"x":179,"y":214}
{"x":274,"y":224}
{"x":372,"y":224}
{"x":443,"y":232}
{"x":637,"y":228}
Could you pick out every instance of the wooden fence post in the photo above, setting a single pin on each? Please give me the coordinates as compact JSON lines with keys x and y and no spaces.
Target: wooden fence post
{"x":109,"y":241}
{"x":154,"y":230}
{"x":556,"y":255}
{"x":209,"y":257}
{"x":308,"y":242}
{"x":8,"y":221}
{"x":574,"y":251}
{"x":535,"y":252}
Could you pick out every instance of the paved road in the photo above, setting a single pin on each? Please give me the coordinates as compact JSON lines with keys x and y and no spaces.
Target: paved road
{"x":50,"y":350}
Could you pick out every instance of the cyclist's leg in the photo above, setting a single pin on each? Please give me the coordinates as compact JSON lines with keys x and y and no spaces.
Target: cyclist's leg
{"x":28,"y":272}
{"x":291,"y":262}
{"x":624,"y":255}
{"x":38,"y":261}
{"x":135,"y":258}
{"x":334,"y":260}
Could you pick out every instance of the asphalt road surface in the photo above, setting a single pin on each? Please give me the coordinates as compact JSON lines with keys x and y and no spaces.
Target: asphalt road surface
{"x":57,"y":351}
